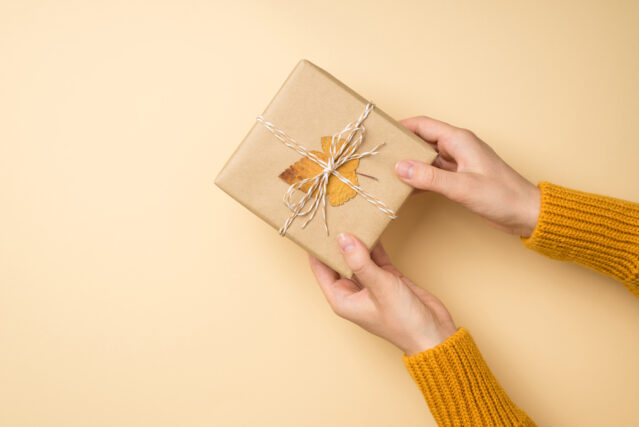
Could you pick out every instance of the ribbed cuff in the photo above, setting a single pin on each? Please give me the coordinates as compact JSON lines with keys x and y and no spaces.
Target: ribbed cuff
{"x":599,"y":232}
{"x":459,"y":388}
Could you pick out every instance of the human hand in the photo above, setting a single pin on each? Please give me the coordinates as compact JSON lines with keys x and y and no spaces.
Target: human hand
{"x":469,"y":172}
{"x":381,"y":300}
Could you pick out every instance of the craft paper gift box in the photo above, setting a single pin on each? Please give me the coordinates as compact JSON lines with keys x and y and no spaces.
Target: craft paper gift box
{"x":288,"y":152}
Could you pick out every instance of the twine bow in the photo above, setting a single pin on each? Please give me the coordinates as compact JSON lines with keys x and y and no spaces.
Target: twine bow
{"x":308,"y":204}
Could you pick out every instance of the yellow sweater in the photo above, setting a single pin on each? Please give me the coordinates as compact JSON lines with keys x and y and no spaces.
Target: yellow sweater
{"x":599,"y":232}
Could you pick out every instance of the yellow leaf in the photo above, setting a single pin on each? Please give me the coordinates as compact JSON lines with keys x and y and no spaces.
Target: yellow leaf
{"x":338,"y":192}
{"x":302,"y":169}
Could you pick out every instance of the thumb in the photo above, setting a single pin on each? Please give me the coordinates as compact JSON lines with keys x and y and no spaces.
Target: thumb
{"x":359,"y":261}
{"x":427,"y":177}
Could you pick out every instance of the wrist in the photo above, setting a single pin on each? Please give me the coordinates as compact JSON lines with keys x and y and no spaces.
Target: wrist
{"x":427,"y":342}
{"x":530,"y":213}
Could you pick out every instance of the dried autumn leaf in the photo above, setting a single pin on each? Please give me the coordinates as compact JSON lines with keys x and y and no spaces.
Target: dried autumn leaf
{"x":338,"y":192}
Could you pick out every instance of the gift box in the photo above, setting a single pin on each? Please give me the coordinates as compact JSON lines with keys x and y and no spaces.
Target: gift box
{"x":320,"y":160}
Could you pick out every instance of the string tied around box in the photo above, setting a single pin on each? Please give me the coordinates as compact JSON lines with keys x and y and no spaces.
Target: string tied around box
{"x":307,"y":204}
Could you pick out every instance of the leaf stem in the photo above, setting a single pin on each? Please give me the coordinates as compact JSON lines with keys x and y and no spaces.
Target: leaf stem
{"x":367,"y":176}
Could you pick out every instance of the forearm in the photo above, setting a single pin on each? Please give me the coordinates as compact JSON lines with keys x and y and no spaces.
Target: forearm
{"x":598,"y":232}
{"x":459,"y":388}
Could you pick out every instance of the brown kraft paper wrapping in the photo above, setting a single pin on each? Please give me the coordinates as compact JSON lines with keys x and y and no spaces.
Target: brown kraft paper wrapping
{"x":311,"y":104}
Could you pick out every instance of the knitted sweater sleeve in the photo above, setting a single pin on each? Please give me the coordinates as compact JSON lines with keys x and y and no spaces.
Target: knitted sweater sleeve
{"x":459,"y":388}
{"x":598,"y":232}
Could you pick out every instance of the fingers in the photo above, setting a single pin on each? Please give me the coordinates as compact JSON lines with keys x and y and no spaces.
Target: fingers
{"x":381,"y":258}
{"x":359,"y":261}
{"x":449,"y":141}
{"x":379,"y":255}
{"x":430,"y":130}
{"x":443,"y":163}
{"x":323,"y":273}
{"x":334,"y":288}
{"x":427,"y":177}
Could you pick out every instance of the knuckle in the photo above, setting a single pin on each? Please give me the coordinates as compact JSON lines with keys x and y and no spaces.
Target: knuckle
{"x":335,"y":305}
{"x":359,"y":266}
{"x":391,"y":269}
{"x":358,"y":260}
{"x":427,"y":176}
{"x":465,"y":133}
{"x":338,"y":310}
{"x":386,"y":293}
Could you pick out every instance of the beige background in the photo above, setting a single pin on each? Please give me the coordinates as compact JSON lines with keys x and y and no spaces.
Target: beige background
{"x":133,"y":292}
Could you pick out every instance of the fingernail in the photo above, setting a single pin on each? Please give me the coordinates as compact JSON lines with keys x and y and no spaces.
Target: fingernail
{"x":404,"y":169}
{"x":346,"y":242}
